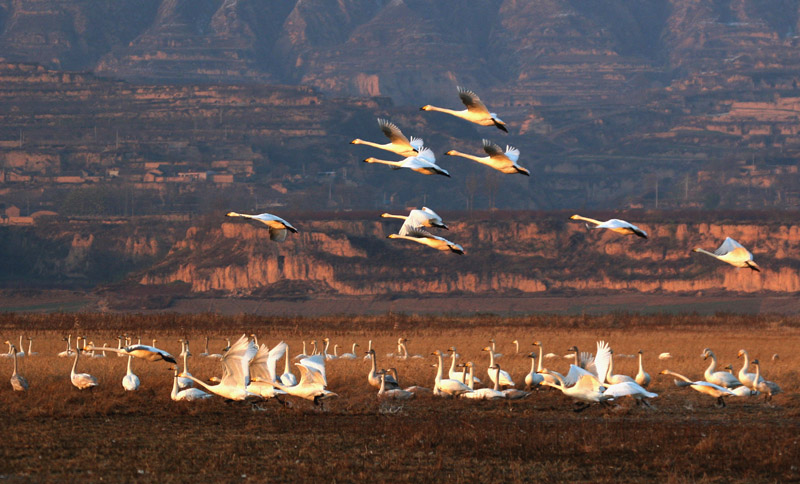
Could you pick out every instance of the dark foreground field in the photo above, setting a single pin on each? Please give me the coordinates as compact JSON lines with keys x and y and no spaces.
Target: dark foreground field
{"x":57,"y":432}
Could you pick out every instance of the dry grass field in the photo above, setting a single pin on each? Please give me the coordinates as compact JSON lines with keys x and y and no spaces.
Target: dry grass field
{"x":55,"y":431}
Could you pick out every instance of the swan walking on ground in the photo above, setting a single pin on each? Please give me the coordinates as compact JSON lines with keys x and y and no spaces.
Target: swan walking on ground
{"x":476,"y":111}
{"x":701,"y":386}
{"x":81,"y":381}
{"x":398,"y":142}
{"x":424,"y":217}
{"x":18,"y":382}
{"x":130,"y":381}
{"x":733,"y":253}
{"x":424,"y":163}
{"x":614,"y":224}
{"x":278,"y":227}
{"x":504,"y":161}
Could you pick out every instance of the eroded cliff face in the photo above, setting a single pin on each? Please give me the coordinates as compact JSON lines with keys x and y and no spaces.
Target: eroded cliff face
{"x":544,"y":255}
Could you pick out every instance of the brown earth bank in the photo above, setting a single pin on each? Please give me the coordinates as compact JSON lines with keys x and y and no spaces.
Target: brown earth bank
{"x":57,"y":432}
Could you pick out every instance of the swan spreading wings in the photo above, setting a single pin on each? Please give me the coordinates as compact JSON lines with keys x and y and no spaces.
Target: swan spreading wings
{"x":278,"y":227}
{"x":504,"y":161}
{"x":476,"y":111}
{"x":421,"y":236}
{"x":424,"y":162}
{"x":615,"y":225}
{"x":424,"y":217}
{"x":398,"y":142}
{"x":235,"y":372}
{"x":733,"y":253}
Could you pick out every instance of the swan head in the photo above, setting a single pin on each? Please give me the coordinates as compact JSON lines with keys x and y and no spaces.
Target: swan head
{"x":436,"y":353}
{"x":696,"y":249}
{"x":368,"y":160}
{"x":741,"y":353}
{"x":640,"y":352}
{"x":573,"y":349}
{"x":451,"y":349}
{"x":426,"y":107}
{"x":536,"y":343}
{"x":356,"y":142}
{"x":664,"y":372}
{"x":457,"y":249}
{"x":487,"y":349}
{"x":451,"y":152}
{"x":532,"y":355}
{"x":755,"y":362}
{"x":706,"y":353}
{"x":575,"y":217}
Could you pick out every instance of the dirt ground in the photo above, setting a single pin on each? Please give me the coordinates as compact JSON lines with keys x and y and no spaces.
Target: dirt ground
{"x":56,"y":432}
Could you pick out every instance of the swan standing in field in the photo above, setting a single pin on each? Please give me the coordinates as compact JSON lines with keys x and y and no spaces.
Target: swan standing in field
{"x":424,"y":163}
{"x":424,"y":217}
{"x":81,"y":381}
{"x":733,"y":253}
{"x":184,"y":381}
{"x":533,"y":379}
{"x":21,"y":352}
{"x":446,"y":387}
{"x":550,"y":378}
{"x":503,"y":376}
{"x":746,"y":378}
{"x":287,"y":377}
{"x":701,"y":386}
{"x":394,"y":393}
{"x":68,"y":352}
{"x":278,"y":227}
{"x":351,"y":355}
{"x":235,"y":372}
{"x":398,"y":142}
{"x":503,"y":161}
{"x":422,"y":236}
{"x":721,"y":378}
{"x":18,"y":382}
{"x":374,"y":379}
{"x":130,"y":381}
{"x":30,"y":345}
{"x":642,"y":377}
{"x":612,"y":378}
{"x":615,"y":225}
{"x":476,"y":111}
{"x":481,"y":393}
{"x":768,"y":388}
{"x":189,"y":394}
{"x":149,"y":353}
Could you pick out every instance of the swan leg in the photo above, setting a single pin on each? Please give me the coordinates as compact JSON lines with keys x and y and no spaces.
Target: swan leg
{"x":720,"y":403}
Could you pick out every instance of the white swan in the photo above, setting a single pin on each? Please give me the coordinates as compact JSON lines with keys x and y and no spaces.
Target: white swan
{"x":721,"y":378}
{"x":184,"y":381}
{"x":701,"y":386}
{"x":481,"y":393}
{"x":278,"y":227}
{"x":18,"y":382}
{"x":263,"y":370}
{"x":424,"y":163}
{"x":312,"y":381}
{"x":504,"y":378}
{"x":394,"y":393}
{"x":746,"y":378}
{"x":68,"y":352}
{"x":551,"y":378}
{"x":81,"y":381}
{"x":615,"y":225}
{"x":733,"y":253}
{"x":629,"y":389}
{"x":21,"y":352}
{"x":149,"y":353}
{"x":287,"y":377}
{"x":205,"y":349}
{"x":189,"y":395}
{"x":768,"y":388}
{"x":130,"y":381}
{"x":30,"y":345}
{"x":422,"y":236}
{"x":612,"y":378}
{"x":325,"y":353}
{"x":503,"y":161}
{"x":587,"y":390}
{"x":642,"y":377}
{"x":398,"y":142}
{"x":374,"y":379}
{"x":402,"y":344}
{"x":533,"y":379}
{"x":424,"y":217}
{"x":446,"y":387}
{"x":235,"y":372}
{"x":476,"y":111}
{"x":351,"y":355}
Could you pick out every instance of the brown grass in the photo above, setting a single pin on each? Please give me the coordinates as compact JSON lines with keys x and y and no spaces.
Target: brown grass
{"x":57,"y":432}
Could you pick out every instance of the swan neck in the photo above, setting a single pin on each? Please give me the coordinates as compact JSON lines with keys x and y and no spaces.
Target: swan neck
{"x":587,"y":219}
{"x":14,"y":354}
{"x":641,"y":369}
{"x":75,"y":363}
{"x":453,"y":362}
{"x":497,"y":380}
{"x":389,"y":215}
{"x":130,"y":357}
{"x":539,"y":365}
{"x":185,"y":356}
{"x":174,"y":383}
{"x":439,"y":369}
{"x":444,"y":110}
{"x":471,"y":378}
{"x":286,"y":362}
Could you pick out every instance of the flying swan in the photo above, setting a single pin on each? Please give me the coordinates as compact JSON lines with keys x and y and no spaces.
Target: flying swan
{"x":278,"y":227}
{"x":733,"y":253}
{"x":504,"y":161}
{"x":424,"y":162}
{"x":614,"y":224}
{"x":398,"y":142}
{"x":476,"y":111}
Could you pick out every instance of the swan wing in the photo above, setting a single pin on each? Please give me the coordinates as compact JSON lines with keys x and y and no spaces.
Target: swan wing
{"x":472,"y":101}
{"x":615,"y":223}
{"x":275,"y":355}
{"x":258,"y":366}
{"x":512,"y":153}
{"x":426,"y":154}
{"x":627,"y":388}
{"x":150,"y":352}
{"x":574,"y":374}
{"x":602,"y":360}
{"x":236,"y":363}
{"x":432,"y":215}
{"x":729,"y":245}
{"x":393,"y":132}
{"x":315,"y":364}
{"x":416,"y":143}
{"x":492,"y":149}
{"x":589,"y":382}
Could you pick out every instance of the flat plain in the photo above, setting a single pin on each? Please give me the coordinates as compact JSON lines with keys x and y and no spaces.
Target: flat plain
{"x":55,"y":431}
